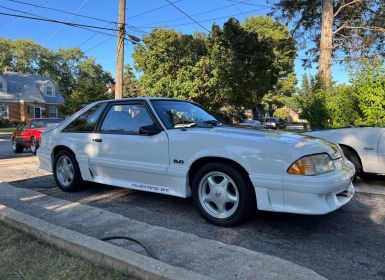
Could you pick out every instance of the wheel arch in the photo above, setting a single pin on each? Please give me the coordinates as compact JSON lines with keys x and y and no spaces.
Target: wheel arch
{"x":59,"y":148}
{"x":352,"y":150}
{"x":194,"y":167}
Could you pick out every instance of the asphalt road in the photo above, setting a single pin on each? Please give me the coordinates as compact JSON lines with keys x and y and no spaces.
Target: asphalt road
{"x":346,"y":244}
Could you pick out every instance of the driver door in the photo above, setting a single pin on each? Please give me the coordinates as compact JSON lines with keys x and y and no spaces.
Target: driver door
{"x":125,"y":157}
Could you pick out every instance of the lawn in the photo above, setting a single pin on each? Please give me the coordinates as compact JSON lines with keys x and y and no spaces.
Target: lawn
{"x":7,"y":129}
{"x":25,"y":257}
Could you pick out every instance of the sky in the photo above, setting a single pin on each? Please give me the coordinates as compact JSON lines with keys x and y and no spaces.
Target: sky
{"x":141,"y":15}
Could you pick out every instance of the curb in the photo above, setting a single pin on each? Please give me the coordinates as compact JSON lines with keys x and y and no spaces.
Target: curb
{"x":94,"y":250}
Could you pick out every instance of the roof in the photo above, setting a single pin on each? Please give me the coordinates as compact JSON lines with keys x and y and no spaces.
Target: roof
{"x":28,"y":88}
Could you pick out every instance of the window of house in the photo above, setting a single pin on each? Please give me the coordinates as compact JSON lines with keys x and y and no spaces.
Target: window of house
{"x":1,"y":86}
{"x":52,"y":112}
{"x":87,"y":121}
{"x":4,"y":112}
{"x":126,"y":119}
{"x":49,"y":91}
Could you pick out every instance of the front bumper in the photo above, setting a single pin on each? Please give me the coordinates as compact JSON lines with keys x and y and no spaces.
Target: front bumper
{"x":312,"y":195}
{"x":317,"y":195}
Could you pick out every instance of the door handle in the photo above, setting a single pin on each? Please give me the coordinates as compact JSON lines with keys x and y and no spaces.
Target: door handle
{"x":97,"y":140}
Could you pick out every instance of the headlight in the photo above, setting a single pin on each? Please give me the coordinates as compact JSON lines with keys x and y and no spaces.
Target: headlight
{"x":312,"y":165}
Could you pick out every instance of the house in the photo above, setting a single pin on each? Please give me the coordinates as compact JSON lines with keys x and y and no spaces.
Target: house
{"x":27,"y":96}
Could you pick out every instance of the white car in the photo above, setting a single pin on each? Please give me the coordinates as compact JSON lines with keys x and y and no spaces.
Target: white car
{"x":363,"y":146}
{"x":177,"y":148}
{"x":252,"y":124}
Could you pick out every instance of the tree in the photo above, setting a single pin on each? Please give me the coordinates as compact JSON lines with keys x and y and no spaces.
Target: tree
{"x":90,"y":86}
{"x":368,"y":82}
{"x":353,"y":27}
{"x":130,"y":83}
{"x":80,"y":79}
{"x":232,"y":66}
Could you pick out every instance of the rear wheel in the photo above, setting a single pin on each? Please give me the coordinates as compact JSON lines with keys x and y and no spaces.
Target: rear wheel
{"x":66,"y":172}
{"x":222,"y":195}
{"x":17,"y":148}
{"x":34,"y":145}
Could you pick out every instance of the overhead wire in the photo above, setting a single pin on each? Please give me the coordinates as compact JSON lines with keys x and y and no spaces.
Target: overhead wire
{"x":187,"y":15}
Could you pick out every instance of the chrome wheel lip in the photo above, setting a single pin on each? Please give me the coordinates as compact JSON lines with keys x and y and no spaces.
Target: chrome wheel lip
{"x":65,"y":171}
{"x":220,"y":195}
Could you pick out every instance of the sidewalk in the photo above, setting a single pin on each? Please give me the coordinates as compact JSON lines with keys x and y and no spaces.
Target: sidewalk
{"x":178,"y":249}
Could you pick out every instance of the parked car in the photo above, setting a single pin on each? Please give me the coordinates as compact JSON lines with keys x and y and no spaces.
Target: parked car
{"x":363,"y":146}
{"x":178,"y":148}
{"x":27,"y":134}
{"x":274,"y":123}
{"x":252,"y":124}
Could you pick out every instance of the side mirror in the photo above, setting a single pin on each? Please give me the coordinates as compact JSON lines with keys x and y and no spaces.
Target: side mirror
{"x":149,"y":130}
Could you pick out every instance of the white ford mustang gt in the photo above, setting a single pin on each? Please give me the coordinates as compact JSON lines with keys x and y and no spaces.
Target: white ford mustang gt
{"x":177,"y":148}
{"x":363,"y":146}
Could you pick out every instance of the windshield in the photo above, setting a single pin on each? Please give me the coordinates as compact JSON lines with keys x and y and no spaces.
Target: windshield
{"x":181,"y":114}
{"x":44,"y":123}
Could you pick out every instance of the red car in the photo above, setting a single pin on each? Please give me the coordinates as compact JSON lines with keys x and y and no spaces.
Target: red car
{"x":27,"y":134}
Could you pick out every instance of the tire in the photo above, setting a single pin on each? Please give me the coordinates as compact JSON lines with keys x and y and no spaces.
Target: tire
{"x":34,"y":145}
{"x":351,"y":156}
{"x":17,"y":148}
{"x":66,"y":172}
{"x":221,"y":208}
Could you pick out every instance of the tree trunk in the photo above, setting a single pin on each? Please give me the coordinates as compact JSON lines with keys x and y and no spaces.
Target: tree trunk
{"x":326,"y":43}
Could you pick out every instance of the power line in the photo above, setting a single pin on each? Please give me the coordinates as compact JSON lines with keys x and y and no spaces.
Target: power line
{"x":31,"y":9}
{"x":56,"y":21}
{"x":187,"y":15}
{"x":152,"y":10}
{"x":206,"y":20}
{"x":69,"y":18}
{"x":201,"y":13}
{"x":61,"y":11}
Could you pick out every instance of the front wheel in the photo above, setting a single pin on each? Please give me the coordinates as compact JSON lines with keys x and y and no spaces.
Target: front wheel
{"x":34,"y":145}
{"x":354,"y":159}
{"x":222,"y":195}
{"x":66,"y":172}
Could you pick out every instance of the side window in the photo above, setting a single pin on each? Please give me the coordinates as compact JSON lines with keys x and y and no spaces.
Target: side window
{"x":87,"y":121}
{"x":126,"y":119}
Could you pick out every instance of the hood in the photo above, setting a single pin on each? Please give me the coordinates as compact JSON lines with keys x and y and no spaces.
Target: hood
{"x":297,"y":144}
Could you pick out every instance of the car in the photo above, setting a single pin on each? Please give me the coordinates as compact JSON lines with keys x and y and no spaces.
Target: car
{"x":252,"y":124}
{"x":274,"y":123}
{"x":363,"y":146}
{"x":178,"y":148}
{"x":27,"y":134}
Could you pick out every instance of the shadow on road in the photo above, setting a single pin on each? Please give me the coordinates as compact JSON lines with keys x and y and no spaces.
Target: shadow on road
{"x":346,"y":244}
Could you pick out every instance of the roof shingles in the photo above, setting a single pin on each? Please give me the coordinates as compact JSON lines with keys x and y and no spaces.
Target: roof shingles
{"x":28,"y":88}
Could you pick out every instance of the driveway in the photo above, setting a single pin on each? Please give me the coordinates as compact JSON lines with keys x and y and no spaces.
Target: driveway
{"x":346,"y":244}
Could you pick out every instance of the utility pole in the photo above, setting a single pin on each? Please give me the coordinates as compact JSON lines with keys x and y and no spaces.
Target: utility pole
{"x":120,"y":50}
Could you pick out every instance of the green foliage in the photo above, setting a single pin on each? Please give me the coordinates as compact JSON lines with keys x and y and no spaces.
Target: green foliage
{"x":342,"y":106}
{"x":282,"y":113}
{"x":73,"y":72}
{"x":234,"y":65}
{"x":334,"y":107}
{"x":369,"y":84}
{"x":90,"y":86}
{"x":313,"y":103}
{"x":130,"y":83}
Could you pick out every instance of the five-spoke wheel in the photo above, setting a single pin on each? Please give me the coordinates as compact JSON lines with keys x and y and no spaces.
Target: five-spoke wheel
{"x":218,"y":194}
{"x":223,"y":194}
{"x":66,"y":171}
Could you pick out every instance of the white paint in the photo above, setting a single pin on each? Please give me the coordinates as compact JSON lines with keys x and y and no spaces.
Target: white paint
{"x":147,"y":162}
